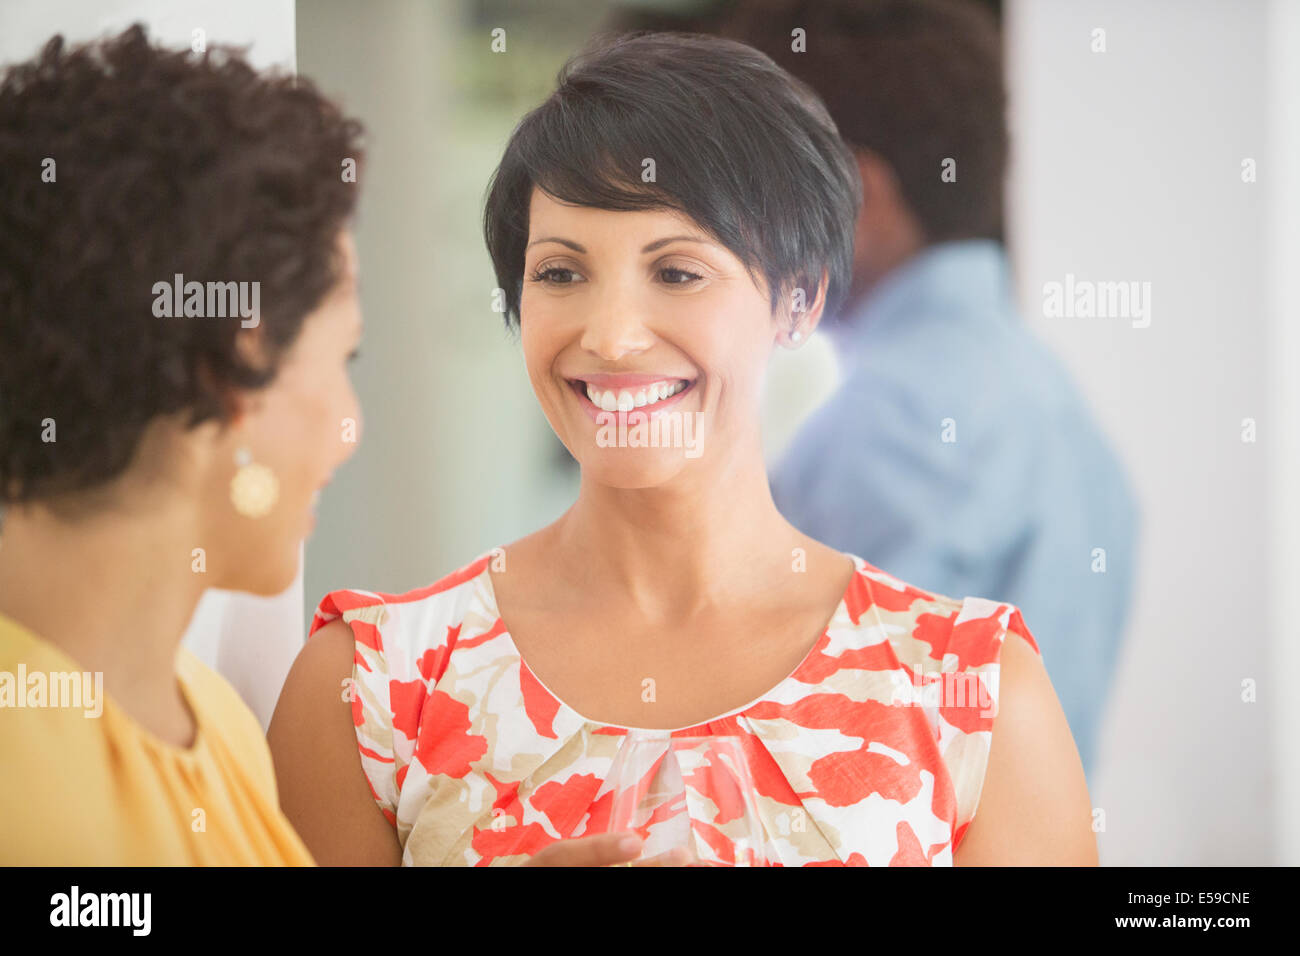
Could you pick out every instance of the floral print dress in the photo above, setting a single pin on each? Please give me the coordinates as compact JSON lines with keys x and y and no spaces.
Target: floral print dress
{"x":872,"y":752}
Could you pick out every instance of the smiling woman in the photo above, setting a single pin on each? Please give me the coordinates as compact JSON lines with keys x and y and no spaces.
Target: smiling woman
{"x":675,"y":211}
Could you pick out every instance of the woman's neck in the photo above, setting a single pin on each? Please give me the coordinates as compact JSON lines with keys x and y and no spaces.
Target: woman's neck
{"x":115,"y":592}
{"x":691,"y":544}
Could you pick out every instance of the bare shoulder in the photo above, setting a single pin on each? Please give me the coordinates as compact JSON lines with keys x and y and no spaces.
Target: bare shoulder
{"x":323,"y":789}
{"x":1034,"y":809}
{"x":328,"y":652}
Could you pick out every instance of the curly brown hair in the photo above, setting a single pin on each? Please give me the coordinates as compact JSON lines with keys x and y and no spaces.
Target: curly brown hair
{"x":163,"y":162}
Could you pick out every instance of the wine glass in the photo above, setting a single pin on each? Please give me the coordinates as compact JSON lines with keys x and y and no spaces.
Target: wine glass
{"x":692,"y":793}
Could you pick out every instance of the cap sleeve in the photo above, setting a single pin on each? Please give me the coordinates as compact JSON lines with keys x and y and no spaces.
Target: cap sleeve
{"x":376,"y":674}
{"x":971,"y":665}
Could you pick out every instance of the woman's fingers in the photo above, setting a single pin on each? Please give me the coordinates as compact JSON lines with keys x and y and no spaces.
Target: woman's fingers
{"x":603,"y":849}
{"x":677,"y":856}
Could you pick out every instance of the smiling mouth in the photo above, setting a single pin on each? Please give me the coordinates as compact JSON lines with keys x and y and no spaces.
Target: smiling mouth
{"x":627,"y":399}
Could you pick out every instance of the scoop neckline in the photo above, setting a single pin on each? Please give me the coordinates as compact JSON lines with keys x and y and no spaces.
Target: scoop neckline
{"x":841,"y":609}
{"x":148,"y":737}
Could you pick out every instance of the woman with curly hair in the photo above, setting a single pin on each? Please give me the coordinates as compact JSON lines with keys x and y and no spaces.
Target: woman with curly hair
{"x":178,"y":306}
{"x":678,"y":209}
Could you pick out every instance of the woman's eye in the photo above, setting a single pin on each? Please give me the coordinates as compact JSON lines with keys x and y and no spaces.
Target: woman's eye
{"x":554,"y":275}
{"x":674,"y":276}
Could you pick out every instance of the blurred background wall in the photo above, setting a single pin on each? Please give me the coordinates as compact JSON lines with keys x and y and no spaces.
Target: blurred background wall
{"x":1128,"y":166}
{"x":1283,"y":474}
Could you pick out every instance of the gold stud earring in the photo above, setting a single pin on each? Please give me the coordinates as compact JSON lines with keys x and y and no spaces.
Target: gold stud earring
{"x":254,"y":489}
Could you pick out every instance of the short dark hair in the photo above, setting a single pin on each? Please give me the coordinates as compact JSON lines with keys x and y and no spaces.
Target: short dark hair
{"x":914,"y":81}
{"x":164,"y":162}
{"x":739,"y":146}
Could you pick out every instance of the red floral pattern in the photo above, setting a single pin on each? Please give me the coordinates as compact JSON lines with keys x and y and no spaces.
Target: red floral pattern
{"x":872,"y":753}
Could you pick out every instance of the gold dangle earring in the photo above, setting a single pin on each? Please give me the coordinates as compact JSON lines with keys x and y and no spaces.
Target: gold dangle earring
{"x":254,"y":489}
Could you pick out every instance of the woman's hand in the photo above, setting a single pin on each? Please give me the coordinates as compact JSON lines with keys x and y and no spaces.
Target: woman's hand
{"x":603,"y":849}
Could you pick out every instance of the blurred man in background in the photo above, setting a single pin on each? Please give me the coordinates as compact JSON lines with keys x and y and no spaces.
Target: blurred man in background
{"x":956,"y":453}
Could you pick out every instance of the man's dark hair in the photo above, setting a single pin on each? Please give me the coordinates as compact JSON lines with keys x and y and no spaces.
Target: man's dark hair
{"x":914,"y":81}
{"x":123,"y":164}
{"x":739,"y":146}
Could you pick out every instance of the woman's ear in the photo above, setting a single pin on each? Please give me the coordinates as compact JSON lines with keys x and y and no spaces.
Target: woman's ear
{"x":250,"y":346}
{"x":235,"y":403}
{"x":800,"y":317}
{"x":238,"y":403}
{"x":814,"y":314}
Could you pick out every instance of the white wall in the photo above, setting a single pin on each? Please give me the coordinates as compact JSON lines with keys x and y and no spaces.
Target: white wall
{"x":265,"y":24}
{"x":252,"y":641}
{"x":1127,"y":166}
{"x":1284,"y":412}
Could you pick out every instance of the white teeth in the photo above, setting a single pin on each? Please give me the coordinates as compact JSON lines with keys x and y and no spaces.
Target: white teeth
{"x":605,"y":401}
{"x":625,"y":400}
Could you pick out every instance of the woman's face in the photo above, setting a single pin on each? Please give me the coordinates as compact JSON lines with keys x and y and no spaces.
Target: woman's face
{"x":302,"y":426}
{"x":645,"y":341}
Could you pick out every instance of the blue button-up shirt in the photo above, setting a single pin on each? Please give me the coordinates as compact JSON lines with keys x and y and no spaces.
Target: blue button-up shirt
{"x":958,"y":456}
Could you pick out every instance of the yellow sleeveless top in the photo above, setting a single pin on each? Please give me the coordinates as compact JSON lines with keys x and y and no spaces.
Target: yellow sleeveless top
{"x":84,"y":788}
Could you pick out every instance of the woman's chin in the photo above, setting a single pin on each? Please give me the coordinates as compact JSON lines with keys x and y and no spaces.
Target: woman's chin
{"x":266,"y":577}
{"x":632,"y":468}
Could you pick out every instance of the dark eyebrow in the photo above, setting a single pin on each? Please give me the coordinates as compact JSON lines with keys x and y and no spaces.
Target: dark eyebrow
{"x":564,"y":242}
{"x":663,"y":242}
{"x":658,"y":243}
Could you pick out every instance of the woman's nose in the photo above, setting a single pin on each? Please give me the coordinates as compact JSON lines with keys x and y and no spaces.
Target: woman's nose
{"x":615,"y":327}
{"x":350,"y":433}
